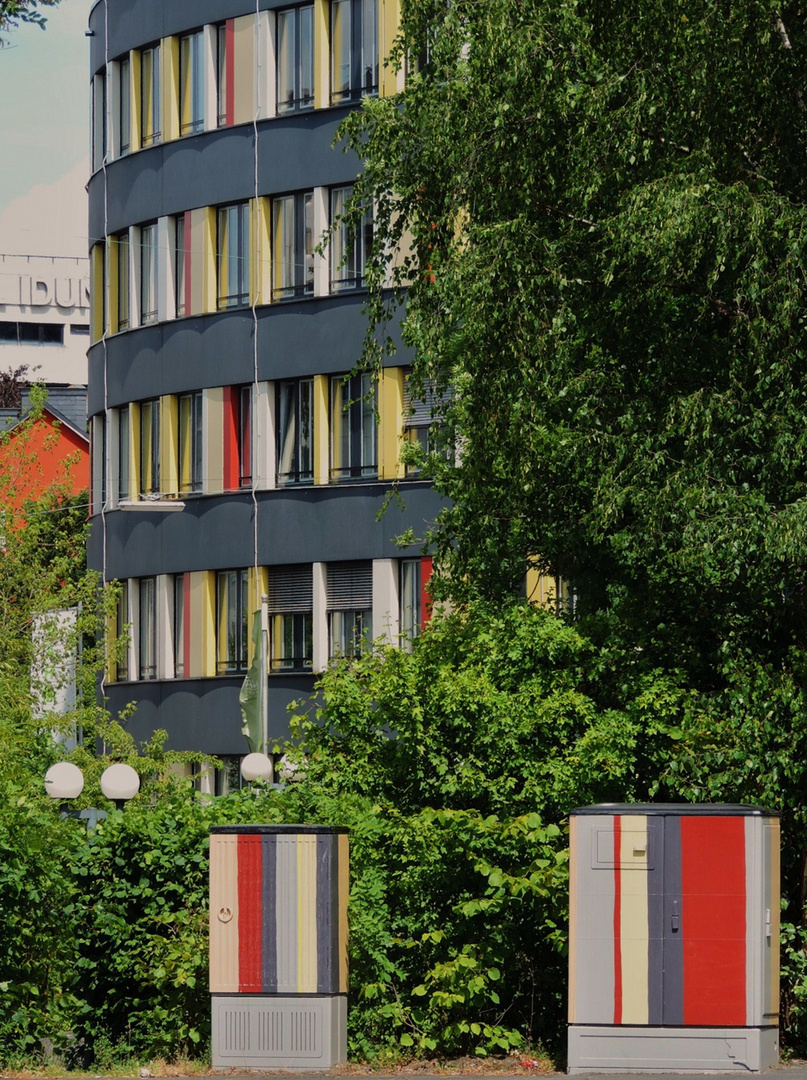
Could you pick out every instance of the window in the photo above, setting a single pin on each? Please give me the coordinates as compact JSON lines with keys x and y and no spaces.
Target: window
{"x":191,"y":84}
{"x":125,"y":106}
{"x":293,"y":246}
{"x":245,"y":436}
{"x":180,"y":596}
{"x":190,"y":442}
{"x":25,"y":333}
{"x":180,"y":274}
{"x":123,"y":453}
{"x":148,"y":273}
{"x":354,"y":49}
{"x":290,"y":608}
{"x":224,"y":64}
{"x":295,"y":59}
{"x":350,"y":607}
{"x":150,"y":447}
{"x":147,"y":629}
{"x":120,"y":666}
{"x":422,"y":425}
{"x":232,"y":256}
{"x":354,"y":433}
{"x":348,"y":253}
{"x":150,"y":125}
{"x":122,"y":248}
{"x":415,"y":604}
{"x":232,"y":622}
{"x":295,"y":431}
{"x":99,"y":125}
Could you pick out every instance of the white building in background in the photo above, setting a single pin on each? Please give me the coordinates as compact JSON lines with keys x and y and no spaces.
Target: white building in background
{"x":44,"y":317}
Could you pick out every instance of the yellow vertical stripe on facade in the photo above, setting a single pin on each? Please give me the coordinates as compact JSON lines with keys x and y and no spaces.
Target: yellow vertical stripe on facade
{"x":390,"y":414}
{"x":343,"y":848}
{"x":208,"y":623}
{"x":322,"y":54}
{"x":195,"y":629}
{"x":209,"y":258}
{"x":244,"y":30}
{"x":254,"y":239}
{"x":169,"y":444}
{"x":136,"y":99}
{"x":634,"y":926}
{"x":214,"y":439}
{"x":321,"y":441}
{"x":224,"y":914}
{"x":306,"y":914}
{"x":389,"y":17}
{"x":169,"y":86}
{"x":136,"y":485}
{"x":263,"y":252}
{"x":97,"y":291}
{"x":113,"y":277}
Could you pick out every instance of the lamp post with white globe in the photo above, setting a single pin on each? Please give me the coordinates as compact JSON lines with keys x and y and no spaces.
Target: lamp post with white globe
{"x":65,"y":781}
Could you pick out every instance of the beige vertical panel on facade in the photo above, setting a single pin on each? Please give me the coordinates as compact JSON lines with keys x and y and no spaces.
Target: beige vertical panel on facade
{"x":634,"y":933}
{"x":265,"y":437}
{"x":166,"y":277}
{"x":319,"y":618}
{"x":322,"y":263}
{"x":210,"y":63}
{"x":390,"y":81}
{"x":213,"y":426}
{"x":169,"y":76}
{"x":244,"y":64}
{"x":322,"y":54}
{"x":321,"y":429}
{"x":169,"y":444}
{"x":202,"y":244}
{"x":136,"y":100}
{"x":266,"y":61}
{"x":223,"y":914}
{"x":164,"y":603}
{"x":386,"y":605}
{"x":306,"y":914}
{"x":391,"y":418}
{"x":254,"y":249}
{"x":344,"y":892}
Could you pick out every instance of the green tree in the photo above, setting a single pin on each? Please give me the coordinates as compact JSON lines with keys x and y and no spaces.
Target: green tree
{"x":14,"y":12}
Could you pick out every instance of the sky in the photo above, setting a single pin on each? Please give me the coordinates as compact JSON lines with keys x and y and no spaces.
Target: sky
{"x":44,"y":135}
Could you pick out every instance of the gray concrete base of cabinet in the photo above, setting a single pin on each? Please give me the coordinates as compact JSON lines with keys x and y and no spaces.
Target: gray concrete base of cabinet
{"x":262,"y":1031}
{"x":685,"y":1049}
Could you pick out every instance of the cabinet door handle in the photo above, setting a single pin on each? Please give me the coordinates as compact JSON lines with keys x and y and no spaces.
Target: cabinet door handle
{"x":674,"y":926}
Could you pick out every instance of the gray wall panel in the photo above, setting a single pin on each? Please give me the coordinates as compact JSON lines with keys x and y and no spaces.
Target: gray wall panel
{"x":296,"y":525}
{"x":203,"y":713}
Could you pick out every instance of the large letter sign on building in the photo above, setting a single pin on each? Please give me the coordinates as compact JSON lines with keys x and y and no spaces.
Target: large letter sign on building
{"x":673,"y":938}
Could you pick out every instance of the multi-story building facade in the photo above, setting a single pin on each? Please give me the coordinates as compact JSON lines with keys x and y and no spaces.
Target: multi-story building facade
{"x":222,"y":346}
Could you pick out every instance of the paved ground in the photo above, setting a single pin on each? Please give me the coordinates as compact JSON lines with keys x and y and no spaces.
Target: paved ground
{"x":796,"y":1070}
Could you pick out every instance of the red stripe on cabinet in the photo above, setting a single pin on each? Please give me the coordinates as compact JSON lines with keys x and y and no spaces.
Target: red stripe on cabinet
{"x":250,"y":879}
{"x":617,"y":923}
{"x":713,"y":920}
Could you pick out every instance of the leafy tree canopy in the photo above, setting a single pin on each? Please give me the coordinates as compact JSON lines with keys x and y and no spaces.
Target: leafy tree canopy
{"x":14,"y":12}
{"x":599,"y":212}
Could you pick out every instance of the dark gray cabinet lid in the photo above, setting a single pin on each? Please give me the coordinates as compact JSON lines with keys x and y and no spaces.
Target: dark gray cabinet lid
{"x":677,"y":809}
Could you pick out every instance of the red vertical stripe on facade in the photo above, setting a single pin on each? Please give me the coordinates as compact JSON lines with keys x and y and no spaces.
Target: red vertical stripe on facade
{"x":250,"y":951}
{"x":186,"y":256}
{"x":230,"y":443}
{"x":713,"y":919}
{"x":230,"y":73}
{"x":425,"y":597}
{"x":186,"y":622}
{"x":617,"y":923}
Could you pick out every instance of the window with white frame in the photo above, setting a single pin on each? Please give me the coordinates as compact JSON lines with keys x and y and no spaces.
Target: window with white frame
{"x":120,"y":660}
{"x":223,"y":64}
{"x":349,"y":249}
{"x":191,"y":442}
{"x":150,"y":447}
{"x":409,"y":591}
{"x":147,"y":629}
{"x":290,"y":614}
{"x":124,"y":290}
{"x":124,"y":463}
{"x":423,"y":409}
{"x":293,"y":246}
{"x":232,"y":621}
{"x":148,"y":273}
{"x":150,"y":121}
{"x":232,"y":255}
{"x":124,"y":105}
{"x":350,"y":607}
{"x":295,"y":431}
{"x":191,"y":83}
{"x":354,"y":49}
{"x":295,"y":58}
{"x":354,"y":432}
{"x":179,"y":625}
{"x":180,"y":271}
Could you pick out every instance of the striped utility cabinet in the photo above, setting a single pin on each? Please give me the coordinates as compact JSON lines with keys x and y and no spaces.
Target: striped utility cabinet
{"x":673,"y":938}
{"x":278,"y":945}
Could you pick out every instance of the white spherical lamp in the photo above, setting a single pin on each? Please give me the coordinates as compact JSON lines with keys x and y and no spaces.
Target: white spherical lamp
{"x":256,"y":767}
{"x":120,"y":782}
{"x":64,"y":780}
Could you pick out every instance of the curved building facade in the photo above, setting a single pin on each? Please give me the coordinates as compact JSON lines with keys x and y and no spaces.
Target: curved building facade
{"x":222,"y":343}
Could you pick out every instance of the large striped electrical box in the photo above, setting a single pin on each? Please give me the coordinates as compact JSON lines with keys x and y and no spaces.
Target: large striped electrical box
{"x":673,"y":938}
{"x":278,"y":946}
